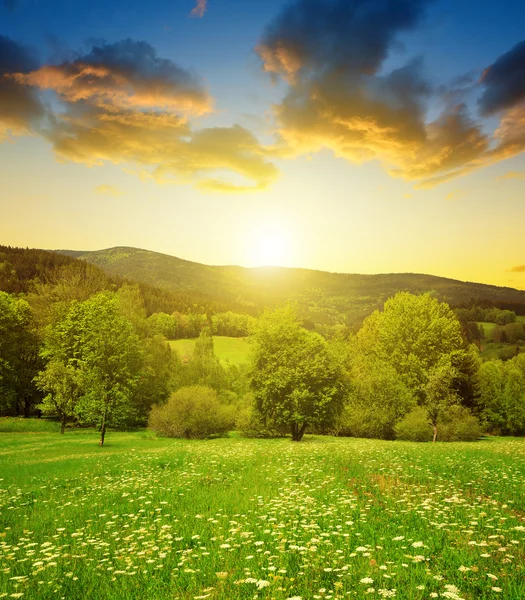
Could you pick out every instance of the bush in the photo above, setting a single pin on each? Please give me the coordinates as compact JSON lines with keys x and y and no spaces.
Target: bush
{"x":192,"y":412}
{"x":459,"y":425}
{"x":415,"y":427}
{"x":364,"y":422}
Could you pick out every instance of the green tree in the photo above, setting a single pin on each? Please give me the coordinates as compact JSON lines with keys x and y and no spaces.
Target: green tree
{"x":19,"y":360}
{"x":97,"y":341}
{"x":413,"y":334}
{"x":61,"y":382}
{"x":297,"y":381}
{"x":440,"y":395}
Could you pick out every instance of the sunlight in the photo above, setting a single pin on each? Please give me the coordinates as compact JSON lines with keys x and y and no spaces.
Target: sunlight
{"x":270,"y":246}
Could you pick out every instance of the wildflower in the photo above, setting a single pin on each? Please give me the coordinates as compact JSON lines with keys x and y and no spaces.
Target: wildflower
{"x":366,"y":580}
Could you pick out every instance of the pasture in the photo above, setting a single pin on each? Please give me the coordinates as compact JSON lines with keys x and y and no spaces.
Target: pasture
{"x":151,"y":518}
{"x":228,"y":349}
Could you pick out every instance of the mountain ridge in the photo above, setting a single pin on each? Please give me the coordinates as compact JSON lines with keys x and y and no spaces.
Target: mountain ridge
{"x":324,"y":297}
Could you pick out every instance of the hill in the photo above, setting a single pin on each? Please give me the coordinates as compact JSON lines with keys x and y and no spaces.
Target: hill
{"x":323,"y":297}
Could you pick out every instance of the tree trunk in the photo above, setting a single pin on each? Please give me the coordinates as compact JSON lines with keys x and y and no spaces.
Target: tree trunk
{"x":27,"y":407}
{"x":435,"y":433}
{"x":298,"y":432}
{"x":103,"y":428}
{"x":63,"y":424}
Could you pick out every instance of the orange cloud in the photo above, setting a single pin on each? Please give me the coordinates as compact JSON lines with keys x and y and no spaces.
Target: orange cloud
{"x":121,"y":103}
{"x":518,"y":269}
{"x":512,"y":175}
{"x":108,"y":76}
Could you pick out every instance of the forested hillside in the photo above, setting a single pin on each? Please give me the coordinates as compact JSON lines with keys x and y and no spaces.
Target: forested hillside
{"x":324,"y":298}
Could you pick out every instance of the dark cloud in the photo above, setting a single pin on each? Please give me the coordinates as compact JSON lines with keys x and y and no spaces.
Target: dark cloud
{"x":121,"y":103}
{"x":125,"y":74}
{"x":332,"y":55}
{"x":504,"y":82}
{"x":347,"y":36}
{"x":20,"y":107}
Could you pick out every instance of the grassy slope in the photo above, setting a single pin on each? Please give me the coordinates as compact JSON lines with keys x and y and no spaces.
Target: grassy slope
{"x":171,"y":519}
{"x":228,"y":349}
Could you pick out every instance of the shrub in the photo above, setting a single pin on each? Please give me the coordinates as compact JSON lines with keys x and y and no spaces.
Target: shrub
{"x":192,"y":412}
{"x":415,"y":427}
{"x":456,"y":425}
{"x":459,"y":425}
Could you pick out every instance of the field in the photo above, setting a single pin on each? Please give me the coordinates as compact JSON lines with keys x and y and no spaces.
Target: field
{"x":228,"y":349}
{"x":234,"y":518}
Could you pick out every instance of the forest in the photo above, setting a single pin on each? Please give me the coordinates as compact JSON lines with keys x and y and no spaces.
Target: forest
{"x":88,"y":349}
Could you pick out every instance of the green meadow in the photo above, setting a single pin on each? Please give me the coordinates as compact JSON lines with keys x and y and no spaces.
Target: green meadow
{"x":227,"y":349}
{"x":232,"y":518}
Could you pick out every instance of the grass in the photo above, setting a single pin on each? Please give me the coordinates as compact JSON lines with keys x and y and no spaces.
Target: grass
{"x":235,"y":519}
{"x":19,"y":424}
{"x":228,"y":349}
{"x":488,"y":329}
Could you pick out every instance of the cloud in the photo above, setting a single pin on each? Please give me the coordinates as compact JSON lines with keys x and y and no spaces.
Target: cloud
{"x":20,"y":107}
{"x":125,"y":74}
{"x":200,"y":9}
{"x":332,"y":55}
{"x":121,"y":103}
{"x":518,"y":269}
{"x":347,"y":36}
{"x":504,"y":82}
{"x":512,"y":175}
{"x":108,"y":190}
{"x":165,"y":146}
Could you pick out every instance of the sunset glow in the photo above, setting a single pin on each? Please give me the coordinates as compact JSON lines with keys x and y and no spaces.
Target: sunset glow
{"x":390,"y":137}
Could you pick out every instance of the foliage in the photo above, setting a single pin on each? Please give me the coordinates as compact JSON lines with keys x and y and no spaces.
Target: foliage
{"x":251,"y":424}
{"x":62,"y":383}
{"x":412,"y":334}
{"x":414,"y":427}
{"x":297,"y":381}
{"x":99,"y":344}
{"x":459,"y":425}
{"x":502,"y":399}
{"x":192,"y":412}
{"x":19,"y":361}
{"x":377,"y":400}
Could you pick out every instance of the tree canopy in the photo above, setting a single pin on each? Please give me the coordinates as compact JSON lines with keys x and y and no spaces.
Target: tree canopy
{"x":295,"y":378}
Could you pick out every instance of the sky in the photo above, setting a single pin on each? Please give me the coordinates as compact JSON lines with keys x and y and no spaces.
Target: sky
{"x":357,"y":136}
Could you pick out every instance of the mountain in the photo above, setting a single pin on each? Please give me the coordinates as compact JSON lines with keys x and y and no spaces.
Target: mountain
{"x":323,"y":297}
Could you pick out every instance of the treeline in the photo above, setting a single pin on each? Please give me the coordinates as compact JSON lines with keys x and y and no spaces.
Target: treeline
{"x":85,"y":349}
{"x":25,"y":271}
{"x":179,"y":325}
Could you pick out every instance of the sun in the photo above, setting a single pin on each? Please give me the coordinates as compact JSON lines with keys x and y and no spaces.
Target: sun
{"x":270,"y":246}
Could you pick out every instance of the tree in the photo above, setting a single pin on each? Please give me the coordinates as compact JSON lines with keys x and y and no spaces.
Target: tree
{"x":439,"y":393}
{"x":413,"y":334}
{"x":19,"y":360}
{"x":98,"y":343}
{"x":62,"y":383}
{"x":295,"y":378}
